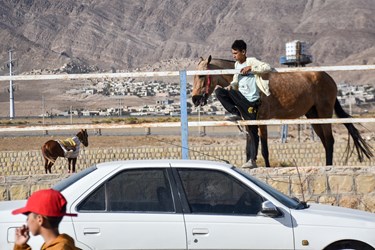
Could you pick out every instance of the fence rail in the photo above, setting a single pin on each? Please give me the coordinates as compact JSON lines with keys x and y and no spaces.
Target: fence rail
{"x":184,"y":121}
{"x":23,"y":128}
{"x":175,"y":73}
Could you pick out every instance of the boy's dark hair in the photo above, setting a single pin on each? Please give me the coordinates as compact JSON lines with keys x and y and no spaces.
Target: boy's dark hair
{"x":54,"y":221}
{"x":239,"y":45}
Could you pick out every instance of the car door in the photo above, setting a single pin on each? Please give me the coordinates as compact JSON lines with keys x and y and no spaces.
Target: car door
{"x":224,"y":214}
{"x":134,"y":209}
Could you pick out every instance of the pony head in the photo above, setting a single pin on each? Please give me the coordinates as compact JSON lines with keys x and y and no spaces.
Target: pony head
{"x":83,"y":137}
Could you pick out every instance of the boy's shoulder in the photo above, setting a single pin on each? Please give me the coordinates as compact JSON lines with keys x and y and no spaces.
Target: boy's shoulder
{"x":251,"y":59}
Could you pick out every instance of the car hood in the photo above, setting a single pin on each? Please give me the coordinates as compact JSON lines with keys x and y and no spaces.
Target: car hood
{"x":6,"y":208}
{"x":325,"y":215}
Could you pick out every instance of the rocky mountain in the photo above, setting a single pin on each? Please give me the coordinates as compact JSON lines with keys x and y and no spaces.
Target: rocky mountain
{"x":126,"y":34}
{"x":121,"y":34}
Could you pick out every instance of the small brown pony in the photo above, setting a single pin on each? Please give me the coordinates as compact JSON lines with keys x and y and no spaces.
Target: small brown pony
{"x":52,"y":149}
{"x":313,"y":94}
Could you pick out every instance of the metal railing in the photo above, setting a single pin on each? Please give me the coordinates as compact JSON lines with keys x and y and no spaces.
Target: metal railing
{"x":184,"y":124}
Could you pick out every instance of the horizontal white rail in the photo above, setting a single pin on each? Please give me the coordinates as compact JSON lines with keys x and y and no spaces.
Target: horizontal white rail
{"x":23,"y":128}
{"x":175,"y":73}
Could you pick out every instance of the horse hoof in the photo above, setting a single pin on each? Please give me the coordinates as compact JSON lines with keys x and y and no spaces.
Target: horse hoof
{"x":250,"y":164}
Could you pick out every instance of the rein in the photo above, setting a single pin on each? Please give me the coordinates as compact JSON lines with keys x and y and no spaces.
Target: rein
{"x":208,"y":85}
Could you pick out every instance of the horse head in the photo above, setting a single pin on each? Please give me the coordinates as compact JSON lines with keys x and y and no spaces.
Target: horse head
{"x":204,"y":85}
{"x":83,"y":137}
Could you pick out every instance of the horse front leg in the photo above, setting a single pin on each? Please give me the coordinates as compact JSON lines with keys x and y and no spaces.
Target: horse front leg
{"x":252,"y":144}
{"x":69,"y":164}
{"x":74,"y":165}
{"x":264,"y":142}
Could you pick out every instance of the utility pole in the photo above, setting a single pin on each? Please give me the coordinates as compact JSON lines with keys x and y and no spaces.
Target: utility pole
{"x":11,"y":89}
{"x":296,"y":56}
{"x":43,"y":108}
{"x":350,"y":99}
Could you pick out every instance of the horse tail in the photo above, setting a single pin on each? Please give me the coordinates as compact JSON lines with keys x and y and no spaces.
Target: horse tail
{"x":46,"y":154}
{"x":361,"y":146}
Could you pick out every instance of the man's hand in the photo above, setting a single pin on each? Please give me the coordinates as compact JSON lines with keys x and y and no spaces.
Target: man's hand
{"x":245,"y":70}
{"x":22,"y":235}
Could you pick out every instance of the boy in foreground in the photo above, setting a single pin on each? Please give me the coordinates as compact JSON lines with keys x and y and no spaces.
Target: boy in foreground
{"x":44,"y":210}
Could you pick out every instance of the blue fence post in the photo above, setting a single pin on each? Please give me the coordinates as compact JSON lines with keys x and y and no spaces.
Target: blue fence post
{"x":184,"y":118}
{"x":284,"y":133}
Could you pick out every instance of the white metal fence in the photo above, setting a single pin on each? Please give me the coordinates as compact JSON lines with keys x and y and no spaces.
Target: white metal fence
{"x":184,"y":124}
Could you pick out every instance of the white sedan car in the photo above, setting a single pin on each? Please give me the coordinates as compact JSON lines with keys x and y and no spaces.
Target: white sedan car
{"x":185,"y":204}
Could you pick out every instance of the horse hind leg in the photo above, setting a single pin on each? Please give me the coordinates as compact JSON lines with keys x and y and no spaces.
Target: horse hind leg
{"x":46,"y":162}
{"x":48,"y":166}
{"x":264,"y":142}
{"x":324,"y":132}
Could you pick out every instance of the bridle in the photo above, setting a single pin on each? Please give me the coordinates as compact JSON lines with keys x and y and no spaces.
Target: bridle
{"x":208,"y":81}
{"x":208,"y":85}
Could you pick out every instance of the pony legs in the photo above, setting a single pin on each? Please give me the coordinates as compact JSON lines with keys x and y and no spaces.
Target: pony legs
{"x":48,"y":165}
{"x":72,"y":163}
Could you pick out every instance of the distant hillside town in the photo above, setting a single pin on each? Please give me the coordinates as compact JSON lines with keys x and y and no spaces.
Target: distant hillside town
{"x":167,"y":98}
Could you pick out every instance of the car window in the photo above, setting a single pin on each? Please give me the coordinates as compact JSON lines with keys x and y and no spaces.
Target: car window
{"x":140,"y":190}
{"x":215,"y":192}
{"x":63,"y":184}
{"x":284,"y":199}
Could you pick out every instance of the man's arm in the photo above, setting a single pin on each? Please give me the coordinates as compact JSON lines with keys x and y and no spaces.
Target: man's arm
{"x":256,"y":66}
{"x":234,"y":83}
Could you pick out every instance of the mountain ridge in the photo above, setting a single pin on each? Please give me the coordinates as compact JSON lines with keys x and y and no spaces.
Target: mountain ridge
{"x":118,"y":36}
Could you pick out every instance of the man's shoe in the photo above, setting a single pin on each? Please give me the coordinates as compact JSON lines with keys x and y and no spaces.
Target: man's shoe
{"x":250,"y":164}
{"x":232,"y":117}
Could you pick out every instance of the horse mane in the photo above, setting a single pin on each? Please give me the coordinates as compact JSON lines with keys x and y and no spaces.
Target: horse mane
{"x":222,"y":60}
{"x":221,"y":63}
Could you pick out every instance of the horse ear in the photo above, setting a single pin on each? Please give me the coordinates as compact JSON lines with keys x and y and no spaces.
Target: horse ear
{"x":200,"y":60}
{"x":209,"y":59}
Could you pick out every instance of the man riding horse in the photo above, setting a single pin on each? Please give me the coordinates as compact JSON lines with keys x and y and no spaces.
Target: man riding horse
{"x":241,"y":98}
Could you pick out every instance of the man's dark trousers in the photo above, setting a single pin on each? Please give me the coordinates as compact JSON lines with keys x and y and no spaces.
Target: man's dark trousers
{"x":233,"y":100}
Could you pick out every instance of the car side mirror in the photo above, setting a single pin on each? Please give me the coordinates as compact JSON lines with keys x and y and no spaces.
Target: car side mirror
{"x":269,"y":209}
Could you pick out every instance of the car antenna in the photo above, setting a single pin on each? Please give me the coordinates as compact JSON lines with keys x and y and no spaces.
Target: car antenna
{"x":300,"y":182}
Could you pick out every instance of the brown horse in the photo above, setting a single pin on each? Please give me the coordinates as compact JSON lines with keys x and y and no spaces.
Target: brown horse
{"x":52,"y":149}
{"x":313,"y":94}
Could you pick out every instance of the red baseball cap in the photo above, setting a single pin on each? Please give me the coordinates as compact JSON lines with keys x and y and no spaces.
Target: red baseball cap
{"x":46,"y":202}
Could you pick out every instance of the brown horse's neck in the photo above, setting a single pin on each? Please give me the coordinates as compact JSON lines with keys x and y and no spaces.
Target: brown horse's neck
{"x":221,"y":80}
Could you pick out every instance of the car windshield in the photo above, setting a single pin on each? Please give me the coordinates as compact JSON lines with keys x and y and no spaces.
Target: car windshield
{"x":63,"y":184}
{"x":284,"y":199}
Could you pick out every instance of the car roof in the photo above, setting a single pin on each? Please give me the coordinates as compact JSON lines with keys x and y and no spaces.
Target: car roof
{"x":163,"y":163}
